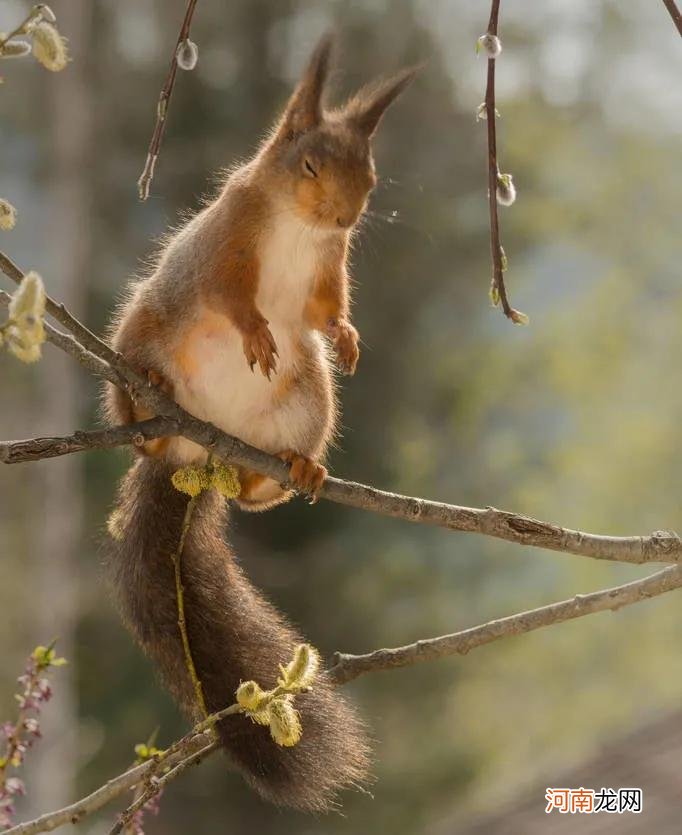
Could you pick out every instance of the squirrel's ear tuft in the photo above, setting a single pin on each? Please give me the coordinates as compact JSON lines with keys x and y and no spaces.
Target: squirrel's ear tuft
{"x":304,"y":110}
{"x":369,"y":104}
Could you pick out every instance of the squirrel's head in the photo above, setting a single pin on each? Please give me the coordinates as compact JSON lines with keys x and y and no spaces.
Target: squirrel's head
{"x":325,"y":155}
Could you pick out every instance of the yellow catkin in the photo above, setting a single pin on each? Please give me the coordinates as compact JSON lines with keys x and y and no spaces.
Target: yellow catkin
{"x":14,"y":49}
{"x":300,"y":672}
{"x":26,"y":352}
{"x":49,"y":47}
{"x":191,"y":480}
{"x":26,"y":331}
{"x":285,"y":724}
{"x":27,"y":308}
{"x":249,"y":695}
{"x":8,"y":215}
{"x":225,"y":479}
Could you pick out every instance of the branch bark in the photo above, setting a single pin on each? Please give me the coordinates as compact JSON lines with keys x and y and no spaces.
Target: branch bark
{"x":660,"y":546}
{"x":35,"y":449}
{"x":105,"y":794}
{"x":499,"y":290}
{"x":348,"y":667}
{"x":198,"y":744}
{"x":675,"y":14}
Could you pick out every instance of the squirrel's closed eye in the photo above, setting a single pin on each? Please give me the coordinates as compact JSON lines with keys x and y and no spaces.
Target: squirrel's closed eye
{"x":308,"y":169}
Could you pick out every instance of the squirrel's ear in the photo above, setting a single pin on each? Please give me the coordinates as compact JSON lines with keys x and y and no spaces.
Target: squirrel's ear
{"x":304,"y":110}
{"x":369,"y":104}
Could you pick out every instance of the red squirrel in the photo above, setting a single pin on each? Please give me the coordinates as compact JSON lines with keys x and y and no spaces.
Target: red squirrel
{"x":234,"y":322}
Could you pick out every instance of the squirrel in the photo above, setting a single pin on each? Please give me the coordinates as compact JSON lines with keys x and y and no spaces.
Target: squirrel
{"x":235,"y":323}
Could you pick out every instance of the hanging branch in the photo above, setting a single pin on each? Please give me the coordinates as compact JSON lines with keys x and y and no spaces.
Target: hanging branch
{"x":147,"y":175}
{"x":176,"y":559}
{"x":500,"y":187}
{"x":674,"y":14}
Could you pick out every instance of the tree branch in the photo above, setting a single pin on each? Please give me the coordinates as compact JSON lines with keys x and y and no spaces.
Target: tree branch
{"x":348,"y":667}
{"x":674,"y":14}
{"x":147,"y":175}
{"x":661,"y":546}
{"x":34,"y":449}
{"x":198,"y":744}
{"x":157,"y":785}
{"x":109,"y":791}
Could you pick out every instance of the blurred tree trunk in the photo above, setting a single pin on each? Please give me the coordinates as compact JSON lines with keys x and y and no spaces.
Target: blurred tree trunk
{"x":58,"y":486}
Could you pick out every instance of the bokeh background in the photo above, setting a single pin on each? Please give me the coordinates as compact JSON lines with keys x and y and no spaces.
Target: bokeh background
{"x":575,"y":418}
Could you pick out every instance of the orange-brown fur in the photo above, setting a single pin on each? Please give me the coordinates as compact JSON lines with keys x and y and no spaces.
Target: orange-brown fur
{"x":232,"y":323}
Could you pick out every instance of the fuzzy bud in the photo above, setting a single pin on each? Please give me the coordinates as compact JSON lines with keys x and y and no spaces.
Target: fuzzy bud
{"x":14,"y":49}
{"x":519,"y":318}
{"x":20,"y":348}
{"x":27,"y":307}
{"x":300,"y":672}
{"x":46,"y":657}
{"x":225,"y":479}
{"x":49,"y":47}
{"x":504,"y":263}
{"x":191,"y":480}
{"x":254,"y":701}
{"x":490,"y":44}
{"x":144,"y":751}
{"x":15,"y":786}
{"x":187,"y":55}
{"x":285,"y":724}
{"x":8,"y":215}
{"x":506,"y":192}
{"x":494,"y":295}
{"x":482,"y":112}
{"x":45,"y":12}
{"x":26,"y":332}
{"x":249,"y":695}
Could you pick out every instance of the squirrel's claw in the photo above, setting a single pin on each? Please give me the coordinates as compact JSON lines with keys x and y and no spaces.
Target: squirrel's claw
{"x":346,"y":340}
{"x":260,"y":347}
{"x":305,"y":475}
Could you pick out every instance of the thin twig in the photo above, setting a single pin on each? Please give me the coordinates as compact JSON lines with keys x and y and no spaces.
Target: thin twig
{"x":157,"y":784}
{"x":499,"y":289}
{"x":20,"y":29}
{"x":147,"y":175}
{"x":105,"y":794}
{"x":348,"y":667}
{"x":180,"y":600}
{"x":674,"y":14}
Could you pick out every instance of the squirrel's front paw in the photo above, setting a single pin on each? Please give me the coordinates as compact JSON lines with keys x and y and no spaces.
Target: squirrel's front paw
{"x":305,"y":475}
{"x":260,"y":347}
{"x":346,"y":339}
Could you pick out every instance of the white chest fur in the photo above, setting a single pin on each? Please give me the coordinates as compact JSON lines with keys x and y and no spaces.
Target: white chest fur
{"x":289,"y":254}
{"x":218,"y":384}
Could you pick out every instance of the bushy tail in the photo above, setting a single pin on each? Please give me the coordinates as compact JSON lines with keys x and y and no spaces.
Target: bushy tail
{"x":235,"y":635}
